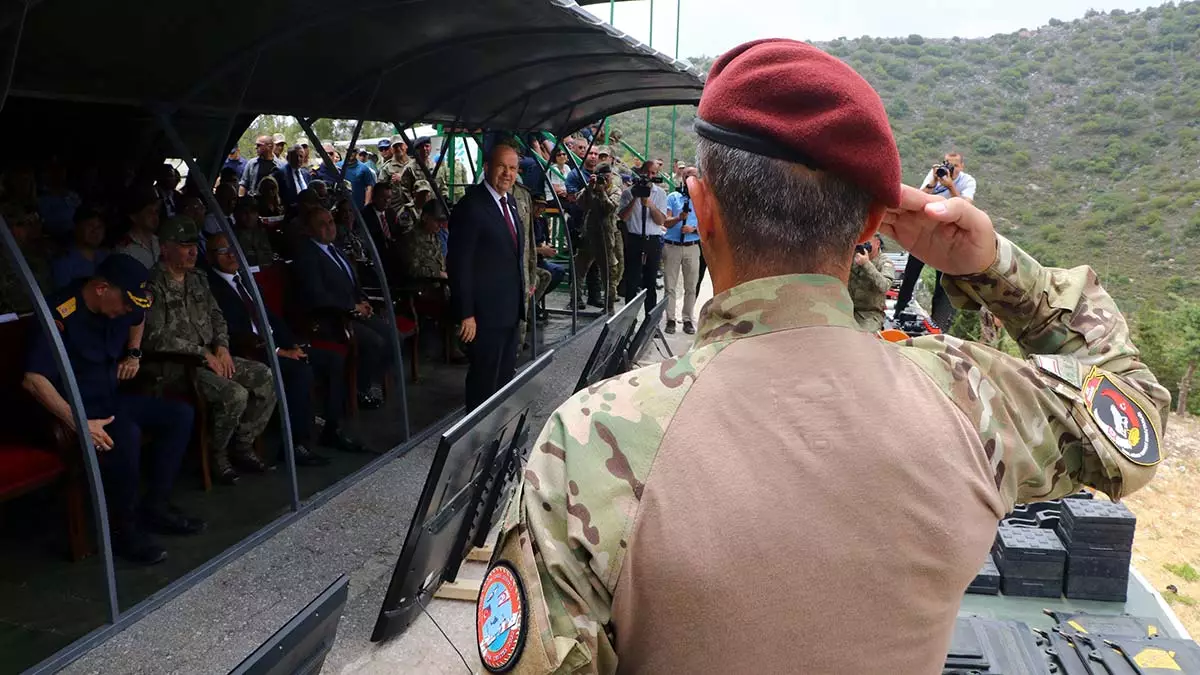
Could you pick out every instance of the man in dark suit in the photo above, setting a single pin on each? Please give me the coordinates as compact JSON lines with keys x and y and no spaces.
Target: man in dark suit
{"x":293,"y":178}
{"x":298,"y":365}
{"x":327,"y":285}
{"x":383,"y":222}
{"x":487,"y":285}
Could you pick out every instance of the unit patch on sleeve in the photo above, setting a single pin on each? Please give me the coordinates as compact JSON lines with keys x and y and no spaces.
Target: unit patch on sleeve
{"x":500,"y":618}
{"x":67,"y":308}
{"x":1124,"y":423}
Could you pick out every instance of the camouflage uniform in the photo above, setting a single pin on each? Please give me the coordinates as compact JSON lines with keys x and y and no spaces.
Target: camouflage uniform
{"x":602,"y":237}
{"x":187,"y":320}
{"x":386,"y":170}
{"x":420,"y":250}
{"x":868,"y":287}
{"x":14,"y":297}
{"x":256,"y":244}
{"x":572,"y":528}
{"x":523,"y":198}
{"x":460,"y":181}
{"x":412,"y":181}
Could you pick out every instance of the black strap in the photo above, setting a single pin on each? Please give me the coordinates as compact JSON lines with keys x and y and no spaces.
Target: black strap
{"x":752,"y":143}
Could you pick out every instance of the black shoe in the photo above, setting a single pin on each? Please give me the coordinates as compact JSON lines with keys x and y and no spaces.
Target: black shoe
{"x":369,"y":402}
{"x":224,"y":474}
{"x":689,"y":328}
{"x":595,"y":302}
{"x":248,"y":461}
{"x":137,"y":547}
{"x":170,"y":521}
{"x":670,"y":329}
{"x":306,"y":457}
{"x":340,"y":441}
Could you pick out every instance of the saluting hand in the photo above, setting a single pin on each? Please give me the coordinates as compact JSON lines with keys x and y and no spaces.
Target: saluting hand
{"x":951,"y":235}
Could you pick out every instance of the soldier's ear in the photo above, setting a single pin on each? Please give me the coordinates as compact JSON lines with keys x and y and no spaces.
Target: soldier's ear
{"x":872,"y":223}
{"x":704,"y":205}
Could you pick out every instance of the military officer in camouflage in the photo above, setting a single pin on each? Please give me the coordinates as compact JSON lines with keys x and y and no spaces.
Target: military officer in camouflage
{"x":602,"y":239}
{"x":871,"y":276}
{"x":739,"y":509}
{"x":187,"y":320}
{"x":422,"y":251}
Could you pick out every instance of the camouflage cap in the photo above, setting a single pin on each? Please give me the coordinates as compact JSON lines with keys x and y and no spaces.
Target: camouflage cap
{"x":179,"y":229}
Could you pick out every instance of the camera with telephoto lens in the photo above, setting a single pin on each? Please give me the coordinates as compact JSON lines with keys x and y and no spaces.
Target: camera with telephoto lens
{"x":944,"y":169}
{"x":864,"y":248}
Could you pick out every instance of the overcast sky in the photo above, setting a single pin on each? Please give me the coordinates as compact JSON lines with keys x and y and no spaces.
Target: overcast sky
{"x":709,"y":27}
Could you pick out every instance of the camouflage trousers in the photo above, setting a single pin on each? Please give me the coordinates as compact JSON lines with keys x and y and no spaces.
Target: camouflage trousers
{"x":239,"y":408}
{"x":602,"y":242}
{"x":870,"y":320}
{"x":543,"y":283}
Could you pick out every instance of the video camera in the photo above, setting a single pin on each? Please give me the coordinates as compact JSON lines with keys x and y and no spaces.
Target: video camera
{"x":944,"y":169}
{"x":641,"y":185}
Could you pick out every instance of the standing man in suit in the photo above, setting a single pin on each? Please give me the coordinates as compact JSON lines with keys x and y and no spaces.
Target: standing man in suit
{"x":487,"y":286}
{"x":293,"y":177}
{"x":298,"y":365}
{"x":328,"y":286}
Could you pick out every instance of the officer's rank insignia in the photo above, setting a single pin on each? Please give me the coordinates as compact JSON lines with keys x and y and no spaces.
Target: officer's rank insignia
{"x":1122,"y":421}
{"x":500,"y":618}
{"x":67,"y":308}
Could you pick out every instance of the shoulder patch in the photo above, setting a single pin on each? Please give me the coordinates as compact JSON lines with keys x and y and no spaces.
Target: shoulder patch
{"x":1124,"y":423}
{"x":67,"y":308}
{"x":500,"y":619}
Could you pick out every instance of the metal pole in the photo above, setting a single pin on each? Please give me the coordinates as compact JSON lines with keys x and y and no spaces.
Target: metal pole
{"x":674,"y":109}
{"x":389,"y":308}
{"x":223,"y":151}
{"x":260,"y":308}
{"x":12,"y":54}
{"x":349,"y":149}
{"x":70,"y":391}
{"x":651,"y":44}
{"x":424,"y":169}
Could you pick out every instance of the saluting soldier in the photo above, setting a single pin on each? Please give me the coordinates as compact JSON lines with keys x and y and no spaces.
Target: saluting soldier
{"x":739,"y":509}
{"x":100,"y":321}
{"x":871,"y":275}
{"x":187,"y":320}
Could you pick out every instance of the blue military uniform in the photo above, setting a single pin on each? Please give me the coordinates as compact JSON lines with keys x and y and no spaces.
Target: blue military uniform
{"x":95,"y":343}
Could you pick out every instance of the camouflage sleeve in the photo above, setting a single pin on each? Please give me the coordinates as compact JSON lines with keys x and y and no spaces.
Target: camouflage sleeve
{"x":569,"y":525}
{"x":613,"y":198}
{"x":160,"y":335}
{"x":874,"y":278}
{"x":1046,"y":422}
{"x":219,"y":326}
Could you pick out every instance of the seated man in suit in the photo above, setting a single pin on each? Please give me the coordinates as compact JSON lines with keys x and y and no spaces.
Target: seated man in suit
{"x":186,"y":320}
{"x":299,"y":365}
{"x":487,"y":284}
{"x":386,"y":225}
{"x":327,"y":284}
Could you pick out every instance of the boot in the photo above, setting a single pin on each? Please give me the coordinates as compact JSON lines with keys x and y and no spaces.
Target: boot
{"x":223,"y":472}
{"x":246,"y":460}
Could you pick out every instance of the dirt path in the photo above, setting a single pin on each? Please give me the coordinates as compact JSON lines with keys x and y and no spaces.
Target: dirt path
{"x":1168,"y":528}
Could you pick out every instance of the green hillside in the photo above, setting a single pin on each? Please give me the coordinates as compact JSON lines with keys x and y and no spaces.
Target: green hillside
{"x":1084,"y":137}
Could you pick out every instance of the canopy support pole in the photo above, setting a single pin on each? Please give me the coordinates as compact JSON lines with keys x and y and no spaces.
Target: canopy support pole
{"x":70,"y":392}
{"x":650,"y":43}
{"x":222,"y":152}
{"x":424,"y":169}
{"x":13,"y":50}
{"x":260,"y":309}
{"x":388,"y":306}
{"x":675,"y":109}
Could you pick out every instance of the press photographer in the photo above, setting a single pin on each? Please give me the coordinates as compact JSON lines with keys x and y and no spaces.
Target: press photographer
{"x":945,"y":180}
{"x":643,"y":210}
{"x":681,"y":253}
{"x":601,"y":237}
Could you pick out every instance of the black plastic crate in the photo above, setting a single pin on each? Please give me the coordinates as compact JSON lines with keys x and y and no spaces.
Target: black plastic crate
{"x":1032,"y":588}
{"x":1076,"y":512}
{"x":987,"y":582}
{"x":1096,"y":588}
{"x":1112,"y":567}
{"x":987,"y":646}
{"x":1111,"y":625}
{"x":1158,"y":655}
{"x":1098,"y":540}
{"x":1028,"y":544}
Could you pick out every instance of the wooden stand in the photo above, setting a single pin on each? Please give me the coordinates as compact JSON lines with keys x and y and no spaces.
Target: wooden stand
{"x":465,"y":589}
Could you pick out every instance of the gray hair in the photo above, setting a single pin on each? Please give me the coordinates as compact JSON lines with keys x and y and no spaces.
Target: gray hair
{"x":781,"y":217}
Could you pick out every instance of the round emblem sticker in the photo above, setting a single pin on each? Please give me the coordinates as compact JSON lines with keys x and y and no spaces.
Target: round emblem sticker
{"x":500,"y":618}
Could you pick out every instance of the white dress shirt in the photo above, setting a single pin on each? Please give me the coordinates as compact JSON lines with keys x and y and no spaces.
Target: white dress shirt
{"x":338,"y":260}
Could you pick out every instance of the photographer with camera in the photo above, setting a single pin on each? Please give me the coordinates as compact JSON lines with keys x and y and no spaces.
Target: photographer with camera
{"x":643,"y":210}
{"x":681,"y":252}
{"x":871,"y":276}
{"x":946,"y":180}
{"x":601,"y":237}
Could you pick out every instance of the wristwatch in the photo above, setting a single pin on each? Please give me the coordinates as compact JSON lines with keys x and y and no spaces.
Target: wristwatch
{"x":133,"y":353}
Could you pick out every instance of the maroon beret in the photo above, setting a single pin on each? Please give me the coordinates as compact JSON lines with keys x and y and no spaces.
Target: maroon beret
{"x":791,"y":101}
